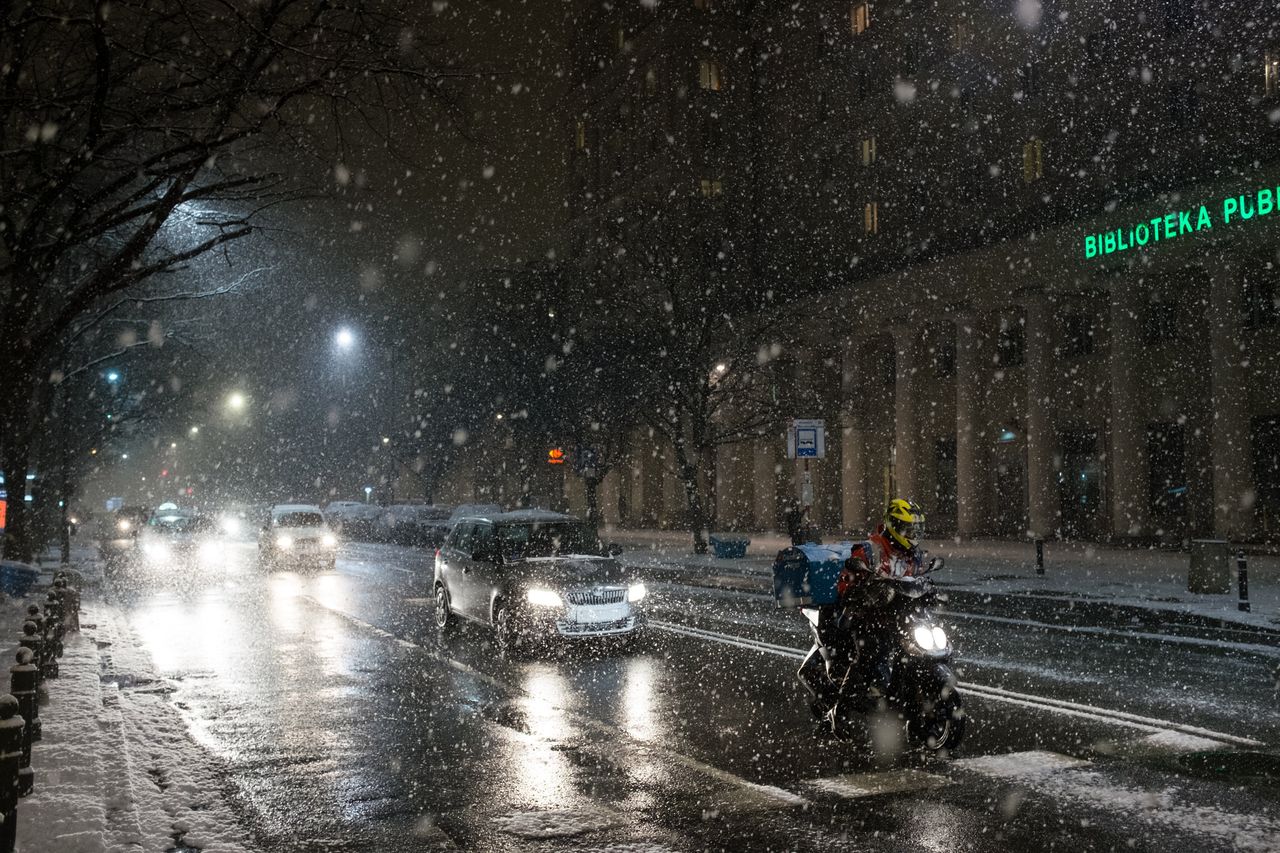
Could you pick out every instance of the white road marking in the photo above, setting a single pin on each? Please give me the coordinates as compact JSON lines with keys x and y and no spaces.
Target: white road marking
{"x":1257,"y":648}
{"x":1124,"y":719}
{"x":1019,"y":765}
{"x":853,"y":786}
{"x":770,"y":792}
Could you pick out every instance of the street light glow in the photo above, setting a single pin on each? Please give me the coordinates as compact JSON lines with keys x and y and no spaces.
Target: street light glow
{"x":236,"y":400}
{"x":113,"y":376}
{"x":345,"y":338}
{"x":195,"y":430}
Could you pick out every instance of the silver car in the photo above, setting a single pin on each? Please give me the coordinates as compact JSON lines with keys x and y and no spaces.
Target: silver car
{"x":535,"y":576}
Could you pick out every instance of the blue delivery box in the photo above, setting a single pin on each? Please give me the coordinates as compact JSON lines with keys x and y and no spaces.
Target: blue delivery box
{"x":806,"y":575}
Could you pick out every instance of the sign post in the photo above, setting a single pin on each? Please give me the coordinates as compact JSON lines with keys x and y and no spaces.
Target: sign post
{"x":806,"y":439}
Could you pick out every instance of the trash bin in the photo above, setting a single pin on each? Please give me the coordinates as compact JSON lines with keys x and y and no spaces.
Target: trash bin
{"x":1210,"y":570}
{"x":729,"y":547}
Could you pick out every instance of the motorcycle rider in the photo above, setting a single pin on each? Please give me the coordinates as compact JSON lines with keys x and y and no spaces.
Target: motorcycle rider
{"x":854,"y":636}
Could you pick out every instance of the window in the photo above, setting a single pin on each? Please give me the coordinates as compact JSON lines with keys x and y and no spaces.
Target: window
{"x":1261,"y":307}
{"x":1033,"y":160}
{"x":711,"y":187}
{"x":580,"y":136}
{"x":710,"y":75}
{"x":944,"y":360}
{"x":1161,"y":320}
{"x":961,"y":35}
{"x":868,"y":150}
{"x":704,"y":5}
{"x":1271,"y":72}
{"x":859,"y":18}
{"x":1029,"y":79}
{"x":1011,"y":346}
{"x":871,"y":218}
{"x":1077,"y":332}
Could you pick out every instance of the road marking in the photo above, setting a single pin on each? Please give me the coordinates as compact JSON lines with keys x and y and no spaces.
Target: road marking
{"x":1258,"y":648}
{"x":853,"y":786}
{"x":1151,"y":725}
{"x":1019,"y":765}
{"x":757,"y":789}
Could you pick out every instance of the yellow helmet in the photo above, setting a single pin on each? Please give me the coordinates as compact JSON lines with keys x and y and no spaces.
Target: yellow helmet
{"x":904,"y":522}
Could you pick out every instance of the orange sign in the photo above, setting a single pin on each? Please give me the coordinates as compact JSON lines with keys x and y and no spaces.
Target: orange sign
{"x":555,"y":456}
{"x":4,"y":506}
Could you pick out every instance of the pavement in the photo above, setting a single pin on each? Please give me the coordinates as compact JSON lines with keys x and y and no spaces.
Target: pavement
{"x":1147,"y":586}
{"x":308,"y":712}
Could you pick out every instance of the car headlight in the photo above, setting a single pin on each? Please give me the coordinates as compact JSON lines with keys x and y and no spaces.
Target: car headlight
{"x":210,"y":551}
{"x":329,"y":540}
{"x":923,"y":635}
{"x":543,"y":597}
{"x":124,"y":525}
{"x":231,"y":525}
{"x":636,"y":591}
{"x":157,"y":550}
{"x":284,"y":542}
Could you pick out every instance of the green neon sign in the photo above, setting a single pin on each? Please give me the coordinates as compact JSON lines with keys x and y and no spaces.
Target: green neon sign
{"x":1178,"y":223}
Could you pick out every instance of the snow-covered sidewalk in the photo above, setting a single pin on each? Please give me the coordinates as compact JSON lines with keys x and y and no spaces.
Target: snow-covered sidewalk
{"x":116,"y":769}
{"x":1149,"y":579}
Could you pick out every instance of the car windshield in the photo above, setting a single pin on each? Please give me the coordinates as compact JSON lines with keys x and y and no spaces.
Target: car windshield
{"x":299,"y":519}
{"x":177,"y":522}
{"x":547,"y":539}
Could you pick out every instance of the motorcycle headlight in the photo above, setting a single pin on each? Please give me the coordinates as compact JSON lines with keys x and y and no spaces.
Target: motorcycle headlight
{"x":636,"y":591}
{"x":284,"y":543}
{"x":329,"y":540}
{"x":939,"y":638}
{"x":543,"y":597}
{"x":924,"y":637}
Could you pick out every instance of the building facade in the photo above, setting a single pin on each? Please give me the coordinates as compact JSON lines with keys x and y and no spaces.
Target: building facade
{"x":1015,"y":309}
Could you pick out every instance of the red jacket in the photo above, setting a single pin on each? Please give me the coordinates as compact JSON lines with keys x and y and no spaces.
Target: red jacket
{"x":877,"y":558}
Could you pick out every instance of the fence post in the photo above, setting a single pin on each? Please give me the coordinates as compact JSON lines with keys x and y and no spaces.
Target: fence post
{"x":1039,"y":556}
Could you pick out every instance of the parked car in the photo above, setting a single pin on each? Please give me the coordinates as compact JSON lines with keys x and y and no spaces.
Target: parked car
{"x":354,"y":520}
{"x":414,"y":524}
{"x":535,"y":576}
{"x":297,"y":534}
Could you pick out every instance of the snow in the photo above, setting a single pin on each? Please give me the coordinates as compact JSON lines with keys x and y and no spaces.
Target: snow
{"x":116,"y":769}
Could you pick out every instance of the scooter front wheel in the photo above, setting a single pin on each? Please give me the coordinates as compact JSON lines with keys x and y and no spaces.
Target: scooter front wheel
{"x":940,"y":727}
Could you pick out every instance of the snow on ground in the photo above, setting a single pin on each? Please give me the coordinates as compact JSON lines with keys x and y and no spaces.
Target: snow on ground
{"x":116,"y":769}
{"x":557,"y":823}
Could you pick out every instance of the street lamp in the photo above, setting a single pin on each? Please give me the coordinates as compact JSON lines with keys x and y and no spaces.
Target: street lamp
{"x":344,"y":338}
{"x":113,"y":376}
{"x":235,"y":401}
{"x":368,"y":490}
{"x":195,"y":430}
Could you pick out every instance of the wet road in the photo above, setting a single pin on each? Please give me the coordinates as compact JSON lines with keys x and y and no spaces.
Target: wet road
{"x":344,"y":724}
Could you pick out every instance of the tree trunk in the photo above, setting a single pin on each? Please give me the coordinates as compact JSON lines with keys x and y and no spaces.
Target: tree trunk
{"x":696,"y":512}
{"x":591,"y":485}
{"x":17,"y":532}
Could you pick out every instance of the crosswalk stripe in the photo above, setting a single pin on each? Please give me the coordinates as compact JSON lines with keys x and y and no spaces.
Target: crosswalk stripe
{"x":854,"y":786}
{"x":1019,"y":765}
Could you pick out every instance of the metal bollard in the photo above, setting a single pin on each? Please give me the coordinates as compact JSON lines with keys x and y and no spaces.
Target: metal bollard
{"x":32,"y":641}
{"x":1242,"y":579}
{"x":1039,"y":556}
{"x":69,"y":596}
{"x":22,"y":684}
{"x":11,"y":726}
{"x":53,"y":615}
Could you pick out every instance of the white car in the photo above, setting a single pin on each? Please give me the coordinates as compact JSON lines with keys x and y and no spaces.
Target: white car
{"x":298,"y":534}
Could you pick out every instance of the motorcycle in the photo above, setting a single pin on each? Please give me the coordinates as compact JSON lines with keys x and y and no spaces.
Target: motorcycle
{"x":906,"y":639}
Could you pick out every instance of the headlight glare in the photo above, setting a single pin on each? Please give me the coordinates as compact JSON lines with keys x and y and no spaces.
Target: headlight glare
{"x":637,"y":591}
{"x":543,"y":597}
{"x":939,"y":638}
{"x":124,"y":524}
{"x":329,"y":540}
{"x":923,"y":637}
{"x":284,"y":542}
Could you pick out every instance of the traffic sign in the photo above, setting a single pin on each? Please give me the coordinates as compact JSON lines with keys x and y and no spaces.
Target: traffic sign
{"x":807,"y":439}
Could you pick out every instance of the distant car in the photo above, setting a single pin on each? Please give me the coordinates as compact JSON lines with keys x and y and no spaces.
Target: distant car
{"x":535,"y":576}
{"x":297,"y":534}
{"x":117,"y":534}
{"x":177,"y":539}
{"x":353,"y":519}
{"x":415,"y":524}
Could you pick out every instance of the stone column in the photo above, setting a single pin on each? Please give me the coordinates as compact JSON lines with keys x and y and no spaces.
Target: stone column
{"x":1042,"y":440}
{"x":1233,"y":486}
{"x":764,"y":461}
{"x":853,"y":484}
{"x":971,"y":482}
{"x":906,"y":440}
{"x":1130,"y":476}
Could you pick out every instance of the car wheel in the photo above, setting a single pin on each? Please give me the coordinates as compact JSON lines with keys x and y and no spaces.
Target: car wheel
{"x":511,"y":644}
{"x":445,"y":620}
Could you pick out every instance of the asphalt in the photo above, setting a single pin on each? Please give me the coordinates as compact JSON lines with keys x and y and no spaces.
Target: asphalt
{"x":343,"y":724}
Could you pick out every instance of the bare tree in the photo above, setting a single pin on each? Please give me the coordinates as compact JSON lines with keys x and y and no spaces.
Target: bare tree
{"x":135,"y":137}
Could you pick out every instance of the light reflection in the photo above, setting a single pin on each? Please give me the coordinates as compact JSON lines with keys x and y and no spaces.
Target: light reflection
{"x":543,"y":773}
{"x":637,"y":698}
{"x":283,"y":604}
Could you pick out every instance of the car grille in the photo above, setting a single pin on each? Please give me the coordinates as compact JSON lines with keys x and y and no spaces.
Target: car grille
{"x":597,"y":596}
{"x":617,"y":626}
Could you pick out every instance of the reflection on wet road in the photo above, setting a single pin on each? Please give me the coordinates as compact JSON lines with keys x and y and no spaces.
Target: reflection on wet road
{"x":344,"y":724}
